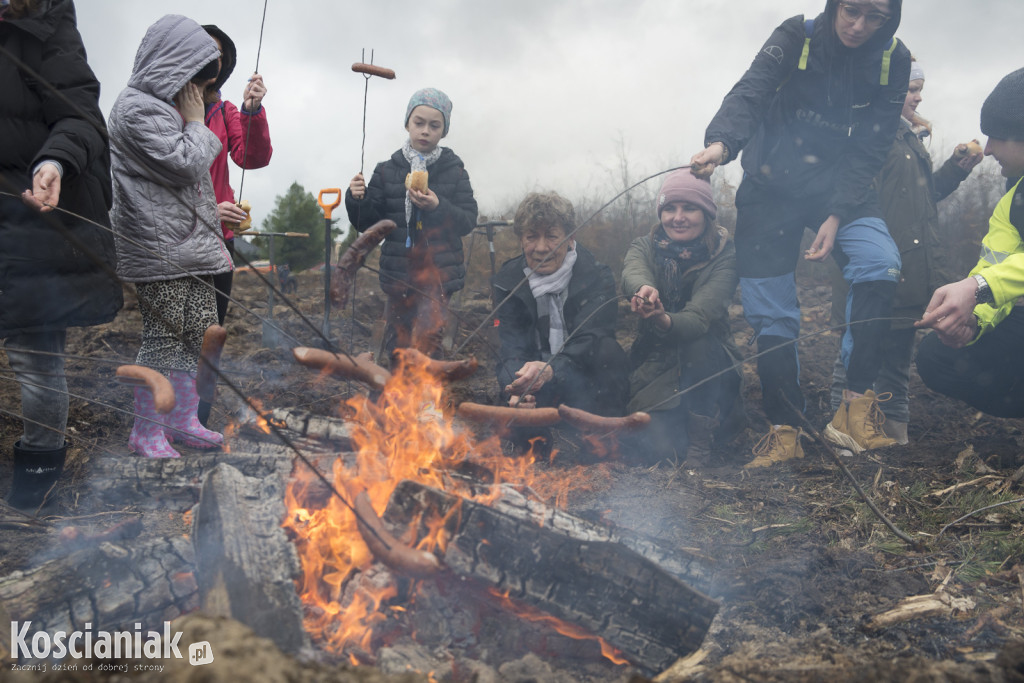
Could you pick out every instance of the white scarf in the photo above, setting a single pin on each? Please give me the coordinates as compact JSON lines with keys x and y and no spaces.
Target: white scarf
{"x":418,"y":162}
{"x":551,"y":291}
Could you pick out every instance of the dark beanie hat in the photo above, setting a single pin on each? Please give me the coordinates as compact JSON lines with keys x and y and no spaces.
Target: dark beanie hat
{"x":1002,"y":115}
{"x":228,"y":58}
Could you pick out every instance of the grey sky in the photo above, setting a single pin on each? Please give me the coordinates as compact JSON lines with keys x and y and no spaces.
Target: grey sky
{"x":543,"y":90}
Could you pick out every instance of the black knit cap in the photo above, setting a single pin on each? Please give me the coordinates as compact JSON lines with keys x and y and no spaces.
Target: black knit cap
{"x":1002,"y":115}
{"x":228,"y":59}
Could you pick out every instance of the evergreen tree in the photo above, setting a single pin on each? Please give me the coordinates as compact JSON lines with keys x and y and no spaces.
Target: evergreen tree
{"x":296,"y":211}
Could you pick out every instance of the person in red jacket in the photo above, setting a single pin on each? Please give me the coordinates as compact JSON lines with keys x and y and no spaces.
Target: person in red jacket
{"x":246,"y":136}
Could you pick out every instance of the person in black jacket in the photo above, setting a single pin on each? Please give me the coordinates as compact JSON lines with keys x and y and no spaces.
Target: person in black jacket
{"x":815,"y":116}
{"x":56,"y":270}
{"x":421,"y":262}
{"x":557,"y":331}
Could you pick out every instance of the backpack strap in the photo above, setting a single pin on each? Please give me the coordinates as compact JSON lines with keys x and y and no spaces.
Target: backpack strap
{"x":805,"y":53}
{"x":883,"y":77}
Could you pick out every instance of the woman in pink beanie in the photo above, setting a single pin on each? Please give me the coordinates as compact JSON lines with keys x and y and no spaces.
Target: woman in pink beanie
{"x":682,"y":277}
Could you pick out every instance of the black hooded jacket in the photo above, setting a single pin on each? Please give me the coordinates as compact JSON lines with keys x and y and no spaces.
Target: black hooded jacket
{"x":55,"y":269}
{"x":821,"y":133}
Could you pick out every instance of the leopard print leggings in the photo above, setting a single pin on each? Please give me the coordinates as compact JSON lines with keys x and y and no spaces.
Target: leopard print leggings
{"x":175,"y":315}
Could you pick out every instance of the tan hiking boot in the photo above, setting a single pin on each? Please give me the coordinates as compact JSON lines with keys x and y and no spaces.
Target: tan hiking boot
{"x":780,"y":444}
{"x":857,"y":424}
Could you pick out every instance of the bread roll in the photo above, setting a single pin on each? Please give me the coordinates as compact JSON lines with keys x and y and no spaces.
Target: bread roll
{"x":247,"y":223}
{"x":417,"y":180}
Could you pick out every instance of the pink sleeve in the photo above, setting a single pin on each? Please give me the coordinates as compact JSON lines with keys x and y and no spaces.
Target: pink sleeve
{"x":248,"y":137}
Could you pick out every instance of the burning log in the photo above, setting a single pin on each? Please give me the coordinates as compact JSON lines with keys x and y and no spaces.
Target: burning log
{"x":113,"y":587}
{"x":246,"y":564}
{"x":584,"y":579}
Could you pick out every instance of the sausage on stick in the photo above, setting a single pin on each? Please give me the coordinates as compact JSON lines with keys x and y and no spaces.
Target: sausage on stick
{"x":151,"y":380}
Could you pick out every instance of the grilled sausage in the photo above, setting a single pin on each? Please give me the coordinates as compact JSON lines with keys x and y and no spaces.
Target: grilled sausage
{"x":506,"y":416}
{"x":361,"y":367}
{"x":209,"y":362}
{"x":448,"y":370}
{"x":150,"y":379}
{"x":373,"y":70}
{"x":588,"y":422}
{"x":353,"y":259}
{"x":418,"y":564}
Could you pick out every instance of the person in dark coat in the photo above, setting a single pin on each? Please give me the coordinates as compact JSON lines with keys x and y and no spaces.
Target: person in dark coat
{"x":56,"y":270}
{"x":815,"y":116}
{"x":557,"y":331}
{"x":681,"y":279}
{"x":421,"y":263}
{"x":909,"y":192}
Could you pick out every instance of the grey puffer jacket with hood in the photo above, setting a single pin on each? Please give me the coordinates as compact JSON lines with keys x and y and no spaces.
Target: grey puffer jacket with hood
{"x":165,"y":214}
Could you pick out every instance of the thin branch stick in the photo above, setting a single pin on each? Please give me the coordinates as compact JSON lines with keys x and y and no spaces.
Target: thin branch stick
{"x":975,"y":512}
{"x":916,"y":545}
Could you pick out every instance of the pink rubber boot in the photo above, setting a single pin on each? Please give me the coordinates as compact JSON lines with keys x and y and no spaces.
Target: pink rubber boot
{"x":183,"y":423}
{"x":147,"y":437}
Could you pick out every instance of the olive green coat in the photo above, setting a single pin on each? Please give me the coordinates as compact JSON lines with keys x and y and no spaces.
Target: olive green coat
{"x":655,"y":353}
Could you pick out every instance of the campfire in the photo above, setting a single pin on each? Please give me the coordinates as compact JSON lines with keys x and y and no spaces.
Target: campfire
{"x":440,"y":484}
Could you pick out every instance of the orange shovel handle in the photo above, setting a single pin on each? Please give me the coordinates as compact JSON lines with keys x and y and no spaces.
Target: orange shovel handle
{"x":324,"y":205}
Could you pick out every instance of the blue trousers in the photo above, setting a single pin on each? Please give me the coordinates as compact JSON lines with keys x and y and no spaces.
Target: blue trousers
{"x":769,"y":230}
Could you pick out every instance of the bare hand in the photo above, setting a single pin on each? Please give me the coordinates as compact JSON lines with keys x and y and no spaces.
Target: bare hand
{"x":533,"y":375}
{"x":427,"y":201}
{"x":959,"y":337}
{"x":704,"y":162}
{"x":357,"y":186}
{"x":647,"y":299}
{"x":189,"y":101}
{"x":965,"y":159}
{"x":951,"y":307}
{"x":254,"y":93}
{"x":228,"y":212}
{"x":825,"y":240}
{"x":45,"y":192}
{"x":526,"y":402}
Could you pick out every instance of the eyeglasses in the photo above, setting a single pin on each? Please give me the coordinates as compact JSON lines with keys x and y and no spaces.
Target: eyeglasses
{"x":852,"y":13}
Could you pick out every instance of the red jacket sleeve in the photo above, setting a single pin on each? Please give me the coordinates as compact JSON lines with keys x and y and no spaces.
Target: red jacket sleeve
{"x":248,"y":137}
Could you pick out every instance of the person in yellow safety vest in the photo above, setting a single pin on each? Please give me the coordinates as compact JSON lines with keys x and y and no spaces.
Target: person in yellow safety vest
{"x":974,"y":353}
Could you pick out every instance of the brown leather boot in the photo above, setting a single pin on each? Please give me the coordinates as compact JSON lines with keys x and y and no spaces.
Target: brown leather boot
{"x":699,"y":430}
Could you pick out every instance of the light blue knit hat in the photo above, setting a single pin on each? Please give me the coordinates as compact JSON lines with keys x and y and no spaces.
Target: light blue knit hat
{"x":433,"y":98}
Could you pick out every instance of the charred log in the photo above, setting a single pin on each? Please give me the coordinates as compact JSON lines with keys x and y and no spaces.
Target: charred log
{"x":246,"y":564}
{"x":565,"y":569}
{"x":110,"y":586}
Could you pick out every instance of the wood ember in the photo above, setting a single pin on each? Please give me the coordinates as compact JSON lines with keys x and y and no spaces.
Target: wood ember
{"x":246,"y":564}
{"x":566,"y":571}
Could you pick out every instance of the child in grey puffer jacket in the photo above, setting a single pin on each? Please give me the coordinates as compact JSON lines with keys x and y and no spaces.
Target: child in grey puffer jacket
{"x":169,"y":240}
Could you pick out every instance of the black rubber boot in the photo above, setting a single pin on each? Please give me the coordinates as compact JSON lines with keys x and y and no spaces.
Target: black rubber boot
{"x":203,"y":412}
{"x":34,"y":473}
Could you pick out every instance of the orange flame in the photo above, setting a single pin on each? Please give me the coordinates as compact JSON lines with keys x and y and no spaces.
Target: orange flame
{"x":573,"y":631}
{"x":407,"y":433}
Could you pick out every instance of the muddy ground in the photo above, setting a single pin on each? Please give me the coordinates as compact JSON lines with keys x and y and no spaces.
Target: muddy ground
{"x":801,"y":565}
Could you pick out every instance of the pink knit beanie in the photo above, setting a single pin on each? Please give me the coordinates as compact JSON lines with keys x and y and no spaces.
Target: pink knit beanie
{"x":682,"y":186}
